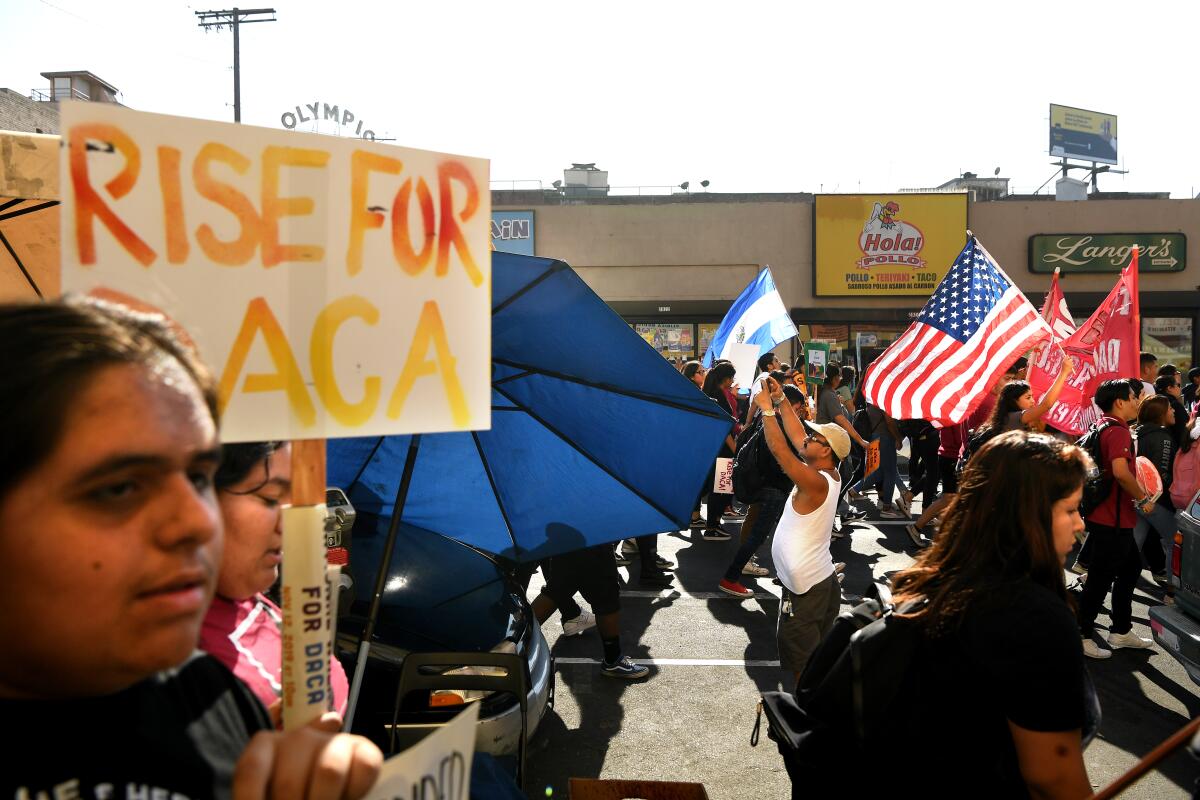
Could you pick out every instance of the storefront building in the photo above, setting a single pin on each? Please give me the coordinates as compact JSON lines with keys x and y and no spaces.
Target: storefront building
{"x":671,"y":265}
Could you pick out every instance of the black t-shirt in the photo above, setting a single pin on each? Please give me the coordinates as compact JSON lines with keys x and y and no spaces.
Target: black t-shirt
{"x":176,"y":736}
{"x":1016,"y":657}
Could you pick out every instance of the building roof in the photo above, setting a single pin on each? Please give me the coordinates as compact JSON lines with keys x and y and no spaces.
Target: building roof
{"x":83,"y":73}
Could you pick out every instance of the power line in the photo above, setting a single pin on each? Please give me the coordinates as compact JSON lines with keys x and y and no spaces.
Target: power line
{"x":234,"y":17}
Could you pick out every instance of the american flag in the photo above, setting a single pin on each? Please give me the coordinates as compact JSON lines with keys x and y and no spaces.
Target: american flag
{"x":974,"y":326}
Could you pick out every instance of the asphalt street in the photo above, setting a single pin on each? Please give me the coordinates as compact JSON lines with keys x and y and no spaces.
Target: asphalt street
{"x":711,"y":654}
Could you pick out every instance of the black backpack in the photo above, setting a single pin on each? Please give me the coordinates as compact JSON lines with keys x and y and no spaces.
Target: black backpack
{"x":748,"y":477}
{"x":1099,"y":482}
{"x":850,"y":698}
{"x":976,"y":439}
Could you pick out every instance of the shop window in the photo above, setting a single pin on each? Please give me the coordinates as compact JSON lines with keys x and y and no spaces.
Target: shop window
{"x":1169,"y":338}
{"x":674,"y":340}
{"x":708,"y":331}
{"x":868,"y":342}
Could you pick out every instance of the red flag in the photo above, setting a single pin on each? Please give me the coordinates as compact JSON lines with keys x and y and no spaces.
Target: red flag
{"x":1046,"y":360}
{"x":976,"y":324}
{"x":1104,"y":348}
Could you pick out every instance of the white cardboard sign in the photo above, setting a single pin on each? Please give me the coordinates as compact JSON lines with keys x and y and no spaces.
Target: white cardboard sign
{"x":336,"y":287}
{"x":438,"y":766}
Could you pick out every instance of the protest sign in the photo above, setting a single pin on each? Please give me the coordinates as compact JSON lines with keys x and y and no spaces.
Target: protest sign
{"x":436,"y":768}
{"x":816,"y":356}
{"x":723,"y":476}
{"x":745,"y":362}
{"x":336,"y":287}
{"x":872,"y":458}
{"x":1105,"y":347}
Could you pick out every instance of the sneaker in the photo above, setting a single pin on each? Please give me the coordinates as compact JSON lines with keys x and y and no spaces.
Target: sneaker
{"x":734,"y":513}
{"x":1129,"y":639}
{"x":904,"y":502}
{"x":621,"y":558}
{"x":662,"y":564}
{"x":574,"y":627}
{"x":853,"y":495}
{"x":715,"y":535}
{"x":734,"y":588}
{"x":629,"y":548}
{"x":917,"y":537}
{"x":1093,"y":650}
{"x":656,"y":579}
{"x":889,"y":511}
{"x":838,"y":533}
{"x":754,"y":568}
{"x":624,"y":669}
{"x":854,"y":514}
{"x":696,"y":524}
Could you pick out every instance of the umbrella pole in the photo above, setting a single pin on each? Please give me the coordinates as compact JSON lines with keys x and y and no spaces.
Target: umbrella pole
{"x":364,"y":646}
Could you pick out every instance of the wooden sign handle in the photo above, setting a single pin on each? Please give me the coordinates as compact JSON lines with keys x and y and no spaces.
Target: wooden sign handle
{"x":308,"y":472}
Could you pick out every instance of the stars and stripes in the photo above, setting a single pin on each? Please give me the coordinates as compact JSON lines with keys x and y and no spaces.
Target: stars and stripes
{"x":975,"y":324}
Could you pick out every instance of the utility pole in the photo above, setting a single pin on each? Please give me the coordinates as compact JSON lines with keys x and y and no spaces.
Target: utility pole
{"x":234,"y":17}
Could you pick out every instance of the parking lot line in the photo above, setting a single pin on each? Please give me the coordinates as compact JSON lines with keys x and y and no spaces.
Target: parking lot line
{"x":679,"y":662}
{"x":670,"y":593}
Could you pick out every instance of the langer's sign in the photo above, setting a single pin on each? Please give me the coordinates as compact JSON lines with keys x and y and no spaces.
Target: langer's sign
{"x":1106,"y":252}
{"x":336,"y":287}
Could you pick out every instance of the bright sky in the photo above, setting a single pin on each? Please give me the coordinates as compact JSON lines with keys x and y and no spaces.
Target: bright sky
{"x":753,"y":96}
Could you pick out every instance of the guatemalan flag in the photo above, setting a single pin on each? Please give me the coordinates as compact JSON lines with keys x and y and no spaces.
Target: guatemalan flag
{"x":756,"y":317}
{"x":974,"y":326}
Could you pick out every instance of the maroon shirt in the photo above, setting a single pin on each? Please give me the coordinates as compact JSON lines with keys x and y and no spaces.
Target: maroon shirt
{"x":1116,"y":442}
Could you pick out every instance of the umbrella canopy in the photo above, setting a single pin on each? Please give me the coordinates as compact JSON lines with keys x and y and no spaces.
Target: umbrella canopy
{"x":594,"y":437}
{"x":28,"y":216}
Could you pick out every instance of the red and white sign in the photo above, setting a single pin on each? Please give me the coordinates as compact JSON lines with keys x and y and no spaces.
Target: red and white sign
{"x":1104,"y":348}
{"x":886,"y":239}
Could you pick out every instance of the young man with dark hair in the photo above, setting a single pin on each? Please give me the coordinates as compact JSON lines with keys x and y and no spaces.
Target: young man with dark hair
{"x":768,"y":362}
{"x":1114,"y":561}
{"x":1149,"y":368}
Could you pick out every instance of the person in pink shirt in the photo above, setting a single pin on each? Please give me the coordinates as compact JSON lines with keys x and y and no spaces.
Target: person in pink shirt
{"x":242,"y":627}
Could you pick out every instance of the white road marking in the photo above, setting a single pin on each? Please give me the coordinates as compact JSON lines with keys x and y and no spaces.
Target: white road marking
{"x":679,"y":662}
{"x":668,"y":594}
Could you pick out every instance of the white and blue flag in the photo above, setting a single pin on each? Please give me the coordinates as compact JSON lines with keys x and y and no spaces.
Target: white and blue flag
{"x":756,"y":317}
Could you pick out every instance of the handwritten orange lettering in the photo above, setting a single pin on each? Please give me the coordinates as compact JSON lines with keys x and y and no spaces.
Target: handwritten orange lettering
{"x":274,"y":206}
{"x":172,"y":200}
{"x":241,"y":249}
{"x":89,"y":205}
{"x":410,"y":261}
{"x":321,"y":355}
{"x":449,"y":232}
{"x":362,"y":218}
{"x":430,"y":330}
{"x":287,"y":378}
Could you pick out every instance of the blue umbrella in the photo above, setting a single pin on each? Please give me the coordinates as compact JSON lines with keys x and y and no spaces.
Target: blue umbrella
{"x":594,"y":438}
{"x":591,"y":429}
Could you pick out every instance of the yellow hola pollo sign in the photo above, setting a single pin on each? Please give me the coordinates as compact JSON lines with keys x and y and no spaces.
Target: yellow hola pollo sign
{"x":885,"y":244}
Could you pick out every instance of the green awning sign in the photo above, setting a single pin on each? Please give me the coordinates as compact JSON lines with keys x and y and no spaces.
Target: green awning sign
{"x":1107,"y":252}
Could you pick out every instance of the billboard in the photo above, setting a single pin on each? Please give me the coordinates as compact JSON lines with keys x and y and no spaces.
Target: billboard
{"x":1082,"y":134}
{"x":1107,"y":252}
{"x":881,"y":245}
{"x":512,"y":232}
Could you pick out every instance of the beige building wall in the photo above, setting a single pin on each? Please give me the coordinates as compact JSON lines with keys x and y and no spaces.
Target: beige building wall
{"x":710,"y":250}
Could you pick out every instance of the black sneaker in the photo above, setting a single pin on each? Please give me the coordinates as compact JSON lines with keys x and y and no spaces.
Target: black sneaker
{"x":655,"y":579}
{"x":664,"y":565}
{"x":854,"y":514}
{"x":625,"y":669}
{"x":715,"y":535}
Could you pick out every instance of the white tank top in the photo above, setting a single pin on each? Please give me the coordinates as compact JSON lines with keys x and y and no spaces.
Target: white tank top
{"x":801,"y":547}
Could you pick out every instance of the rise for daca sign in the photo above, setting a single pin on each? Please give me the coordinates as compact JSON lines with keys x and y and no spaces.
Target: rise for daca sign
{"x":336,"y":287}
{"x":883,"y":245}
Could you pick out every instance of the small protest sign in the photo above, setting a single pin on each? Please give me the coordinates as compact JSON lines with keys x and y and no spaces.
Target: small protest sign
{"x":872,"y":462}
{"x":438,"y":766}
{"x":723,"y":479}
{"x":336,"y":287}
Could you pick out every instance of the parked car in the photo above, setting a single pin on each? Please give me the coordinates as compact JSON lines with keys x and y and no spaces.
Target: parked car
{"x":440,"y":596}
{"x":1177,"y":628}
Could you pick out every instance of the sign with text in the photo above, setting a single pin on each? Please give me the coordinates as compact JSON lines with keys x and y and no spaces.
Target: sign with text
{"x":885,"y":244}
{"x":438,"y":766}
{"x":335,"y":287}
{"x":512,"y":232}
{"x":1082,"y":134}
{"x":1106,"y":252}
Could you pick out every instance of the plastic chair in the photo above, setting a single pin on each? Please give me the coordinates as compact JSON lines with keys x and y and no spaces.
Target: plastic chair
{"x":594,"y":789}
{"x":423,"y":672}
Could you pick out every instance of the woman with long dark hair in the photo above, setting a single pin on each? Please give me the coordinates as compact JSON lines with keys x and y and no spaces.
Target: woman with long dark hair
{"x":998,"y":689}
{"x":1016,"y":409}
{"x":716,"y":385}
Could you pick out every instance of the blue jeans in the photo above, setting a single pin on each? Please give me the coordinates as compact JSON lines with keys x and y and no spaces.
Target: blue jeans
{"x":887,"y":477}
{"x":1162,"y":520}
{"x":772,"y":501}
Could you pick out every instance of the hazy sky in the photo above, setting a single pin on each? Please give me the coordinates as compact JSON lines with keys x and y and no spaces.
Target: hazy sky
{"x":753,"y":96}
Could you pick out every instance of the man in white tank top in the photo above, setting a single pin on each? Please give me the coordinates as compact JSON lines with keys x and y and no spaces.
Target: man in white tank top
{"x":811,"y":595}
